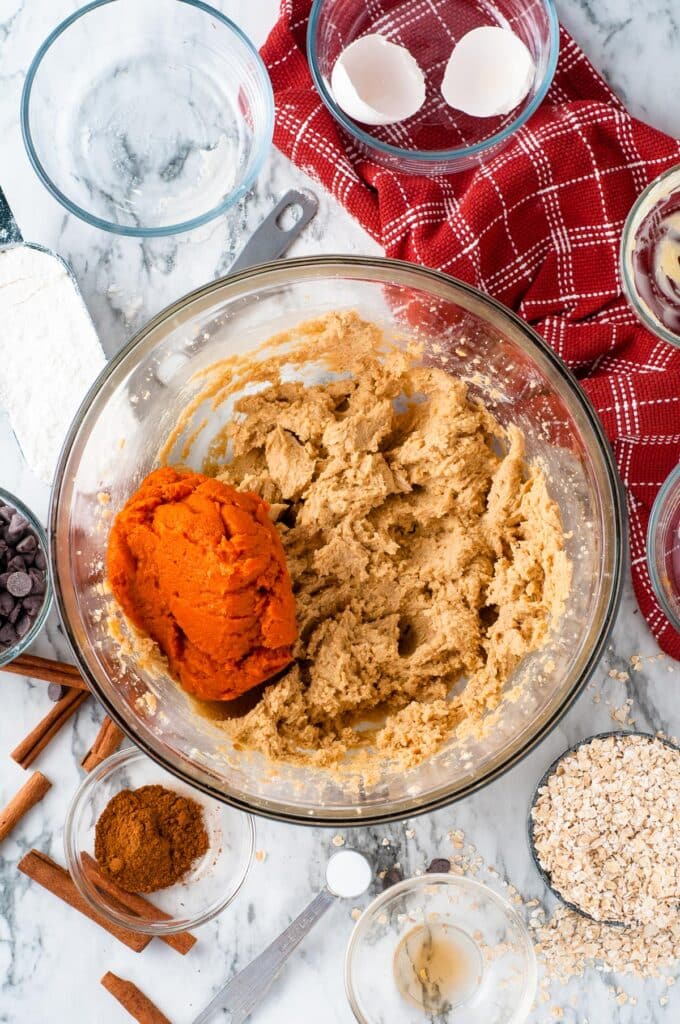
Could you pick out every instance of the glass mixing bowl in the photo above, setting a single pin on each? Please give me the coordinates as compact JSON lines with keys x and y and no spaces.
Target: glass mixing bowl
{"x":437,"y":139}
{"x":147,"y":118}
{"x":114,"y":442}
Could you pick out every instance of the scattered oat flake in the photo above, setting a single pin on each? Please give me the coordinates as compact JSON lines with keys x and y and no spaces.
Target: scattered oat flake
{"x":356,"y":913}
{"x":410,"y":833}
{"x":260,"y":855}
{"x":338,"y":840}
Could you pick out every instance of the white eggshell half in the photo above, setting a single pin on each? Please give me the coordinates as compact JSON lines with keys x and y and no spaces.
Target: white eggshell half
{"x":489,"y":72}
{"x":377,"y":82}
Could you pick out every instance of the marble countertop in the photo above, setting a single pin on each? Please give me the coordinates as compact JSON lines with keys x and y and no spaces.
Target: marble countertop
{"x":51,"y":959}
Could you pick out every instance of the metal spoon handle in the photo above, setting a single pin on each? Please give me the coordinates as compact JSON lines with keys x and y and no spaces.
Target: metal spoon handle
{"x":270,"y":240}
{"x":243,"y":992}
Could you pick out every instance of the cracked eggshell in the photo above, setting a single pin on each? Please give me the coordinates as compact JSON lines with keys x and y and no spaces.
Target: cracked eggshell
{"x":377,"y":82}
{"x":489,"y":72}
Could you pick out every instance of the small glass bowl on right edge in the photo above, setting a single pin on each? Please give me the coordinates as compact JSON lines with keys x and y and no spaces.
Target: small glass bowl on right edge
{"x":656,"y":206}
{"x":466,"y":941}
{"x":212,"y":882}
{"x":663,"y":548}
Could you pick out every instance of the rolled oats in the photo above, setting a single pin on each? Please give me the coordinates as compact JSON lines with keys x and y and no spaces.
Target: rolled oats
{"x":606,"y":829}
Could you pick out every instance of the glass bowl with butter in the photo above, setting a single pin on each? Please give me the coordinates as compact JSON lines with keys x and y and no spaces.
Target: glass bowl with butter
{"x":650,"y":256}
{"x":159,"y":379}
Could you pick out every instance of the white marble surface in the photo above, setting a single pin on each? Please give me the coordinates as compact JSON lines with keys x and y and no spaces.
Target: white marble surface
{"x":50,"y":958}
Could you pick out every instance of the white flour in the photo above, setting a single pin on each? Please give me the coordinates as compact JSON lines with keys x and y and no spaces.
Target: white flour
{"x":49,"y":352}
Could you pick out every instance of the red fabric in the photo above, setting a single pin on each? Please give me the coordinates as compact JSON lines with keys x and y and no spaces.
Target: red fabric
{"x":538,"y":227}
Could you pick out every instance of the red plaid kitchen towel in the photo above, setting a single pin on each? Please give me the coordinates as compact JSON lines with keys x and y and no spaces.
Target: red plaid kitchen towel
{"x":538,"y":227}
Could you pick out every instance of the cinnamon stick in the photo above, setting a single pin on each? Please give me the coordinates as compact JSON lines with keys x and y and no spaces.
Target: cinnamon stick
{"x":36,"y":741}
{"x":46,"y":872}
{"x":108,"y":739}
{"x":181,"y":941}
{"x":28,"y":796}
{"x":133,"y":1000}
{"x":47,"y":670}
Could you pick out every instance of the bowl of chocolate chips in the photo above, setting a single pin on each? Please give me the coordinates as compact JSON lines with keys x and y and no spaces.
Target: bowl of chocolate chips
{"x":25,"y":591}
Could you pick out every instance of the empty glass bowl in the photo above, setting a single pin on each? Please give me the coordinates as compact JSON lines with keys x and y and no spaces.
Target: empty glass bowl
{"x":437,"y":139}
{"x":147,"y":118}
{"x":8,"y":654}
{"x":663,"y":547}
{"x":116,"y":438}
{"x":442,"y":948}
{"x":212,"y":882}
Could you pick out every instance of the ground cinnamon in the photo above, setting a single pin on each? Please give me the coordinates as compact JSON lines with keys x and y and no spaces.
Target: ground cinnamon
{"x":148,"y":838}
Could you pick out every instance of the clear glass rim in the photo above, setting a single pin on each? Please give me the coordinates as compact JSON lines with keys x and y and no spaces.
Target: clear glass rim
{"x":671,"y":482}
{"x":545,"y":876}
{"x":263,"y":138}
{"x":444,"y":795}
{"x":627,"y":235}
{"x":422,"y":881}
{"x":432,"y":156}
{"x":115,"y":761}
{"x":13,"y":652}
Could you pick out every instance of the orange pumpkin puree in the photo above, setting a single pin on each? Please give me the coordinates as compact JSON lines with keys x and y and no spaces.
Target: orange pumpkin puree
{"x":199,"y":566}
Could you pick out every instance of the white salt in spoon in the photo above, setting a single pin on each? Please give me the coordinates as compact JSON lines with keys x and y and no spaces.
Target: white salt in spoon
{"x":348,"y":875}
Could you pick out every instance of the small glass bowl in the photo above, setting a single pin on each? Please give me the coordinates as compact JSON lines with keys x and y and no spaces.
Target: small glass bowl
{"x":545,"y":875}
{"x":212,"y":882}
{"x":663,"y":186}
{"x":437,"y":139}
{"x":10,"y":653}
{"x":147,"y":118}
{"x":489,"y":935}
{"x":663,"y":547}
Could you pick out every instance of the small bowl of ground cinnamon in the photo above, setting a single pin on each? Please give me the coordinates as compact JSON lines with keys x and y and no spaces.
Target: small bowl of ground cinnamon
{"x":150,"y":853}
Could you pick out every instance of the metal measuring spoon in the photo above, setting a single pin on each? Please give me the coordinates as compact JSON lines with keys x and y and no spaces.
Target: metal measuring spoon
{"x":243,"y":992}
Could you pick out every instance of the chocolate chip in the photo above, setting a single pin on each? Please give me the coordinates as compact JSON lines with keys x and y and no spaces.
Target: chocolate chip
{"x":440,"y":865}
{"x":4,"y":576}
{"x":20,"y":584}
{"x":39,"y":582}
{"x":17,"y":528}
{"x":6,"y":604}
{"x":4,"y":548}
{"x":23,"y":625}
{"x":32,"y":604}
{"x":6,"y":513}
{"x":16,"y":564}
{"x":28,"y":544}
{"x":8,"y":635}
{"x":392,"y":876}
{"x":15,"y":613}
{"x":40,"y":562}
{"x":55,"y":691}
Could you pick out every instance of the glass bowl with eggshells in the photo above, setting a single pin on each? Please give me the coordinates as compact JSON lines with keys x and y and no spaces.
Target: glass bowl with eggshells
{"x":432,"y":88}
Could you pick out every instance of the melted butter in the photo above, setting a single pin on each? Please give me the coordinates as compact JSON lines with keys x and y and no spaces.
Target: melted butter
{"x":437,"y":967}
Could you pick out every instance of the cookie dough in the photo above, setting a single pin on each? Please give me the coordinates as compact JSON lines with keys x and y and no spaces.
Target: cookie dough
{"x":426,"y":554}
